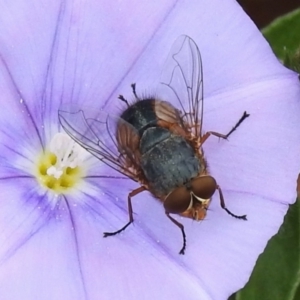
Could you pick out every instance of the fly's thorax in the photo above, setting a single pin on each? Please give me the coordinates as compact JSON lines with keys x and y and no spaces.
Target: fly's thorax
{"x":152,"y":137}
{"x":192,"y":199}
{"x":167,"y":160}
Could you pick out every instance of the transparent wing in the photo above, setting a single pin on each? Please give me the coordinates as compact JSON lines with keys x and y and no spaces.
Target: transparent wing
{"x":111,"y":139}
{"x":181,"y":82}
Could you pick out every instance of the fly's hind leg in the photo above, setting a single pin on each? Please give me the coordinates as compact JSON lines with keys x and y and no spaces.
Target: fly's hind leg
{"x":130,"y":211}
{"x":133,"y":86}
{"x":121,"y":97}
{"x":224,"y":136}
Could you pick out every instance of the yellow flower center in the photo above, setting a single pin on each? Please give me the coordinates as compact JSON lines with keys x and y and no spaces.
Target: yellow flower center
{"x":59,"y":168}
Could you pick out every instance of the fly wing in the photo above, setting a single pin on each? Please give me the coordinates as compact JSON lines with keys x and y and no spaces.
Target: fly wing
{"x":181,"y":83}
{"x":111,"y":139}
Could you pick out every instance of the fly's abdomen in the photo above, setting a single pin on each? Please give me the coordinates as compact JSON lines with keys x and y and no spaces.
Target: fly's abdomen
{"x":141,"y":115}
{"x":167,"y":160}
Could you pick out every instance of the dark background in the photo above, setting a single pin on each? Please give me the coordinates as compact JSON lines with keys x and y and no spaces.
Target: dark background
{"x":262,"y":12}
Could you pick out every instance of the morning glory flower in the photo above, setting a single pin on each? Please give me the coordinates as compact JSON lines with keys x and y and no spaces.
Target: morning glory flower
{"x":57,"y":200}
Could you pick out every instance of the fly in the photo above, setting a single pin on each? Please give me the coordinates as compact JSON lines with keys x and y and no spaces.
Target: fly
{"x":158,"y":143}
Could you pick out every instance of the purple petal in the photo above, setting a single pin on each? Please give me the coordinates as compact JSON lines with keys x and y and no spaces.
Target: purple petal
{"x":25,"y":210}
{"x":259,"y":157}
{"x":88,"y":53}
{"x":20,"y":134}
{"x":76,"y":43}
{"x":31,"y":271}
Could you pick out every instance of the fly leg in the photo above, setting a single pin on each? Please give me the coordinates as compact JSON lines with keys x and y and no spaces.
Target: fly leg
{"x":222,"y":202}
{"x":182,"y":231}
{"x":121,"y":97}
{"x":130,"y":211}
{"x":239,"y":122}
{"x":224,"y":136}
{"x":133,"y":86}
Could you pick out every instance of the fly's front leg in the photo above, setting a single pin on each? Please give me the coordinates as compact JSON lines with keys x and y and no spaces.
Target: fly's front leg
{"x":182,"y":232}
{"x":223,"y":205}
{"x":130,"y":211}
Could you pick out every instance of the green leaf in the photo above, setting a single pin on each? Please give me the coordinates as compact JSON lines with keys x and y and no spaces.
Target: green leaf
{"x":284,"y":34}
{"x":276,"y":274}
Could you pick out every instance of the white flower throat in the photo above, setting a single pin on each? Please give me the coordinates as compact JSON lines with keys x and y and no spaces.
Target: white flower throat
{"x":60,"y":166}
{"x":68,"y":154}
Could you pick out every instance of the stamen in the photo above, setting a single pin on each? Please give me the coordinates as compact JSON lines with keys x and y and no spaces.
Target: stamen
{"x":68,"y":154}
{"x":60,"y":167}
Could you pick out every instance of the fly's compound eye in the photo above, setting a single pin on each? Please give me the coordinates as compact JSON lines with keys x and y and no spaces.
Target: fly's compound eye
{"x":178,"y":201}
{"x":181,"y":199}
{"x":203,"y":187}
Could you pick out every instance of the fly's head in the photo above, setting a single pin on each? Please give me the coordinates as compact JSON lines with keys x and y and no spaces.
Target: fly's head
{"x":192,"y":199}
